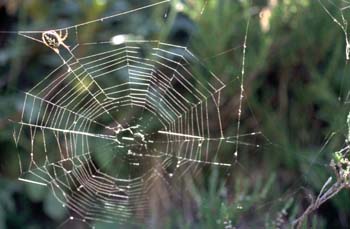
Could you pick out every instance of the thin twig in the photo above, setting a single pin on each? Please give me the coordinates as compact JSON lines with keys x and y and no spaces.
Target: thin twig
{"x":341,"y":183}
{"x":332,"y":191}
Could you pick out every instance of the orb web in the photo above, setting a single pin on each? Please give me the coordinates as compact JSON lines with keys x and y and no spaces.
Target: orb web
{"x":118,"y":116}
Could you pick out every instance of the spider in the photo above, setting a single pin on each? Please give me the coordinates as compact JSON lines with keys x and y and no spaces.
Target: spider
{"x":54,"y":40}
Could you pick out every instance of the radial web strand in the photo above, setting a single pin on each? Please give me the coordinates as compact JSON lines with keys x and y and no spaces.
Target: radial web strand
{"x":118,"y":116}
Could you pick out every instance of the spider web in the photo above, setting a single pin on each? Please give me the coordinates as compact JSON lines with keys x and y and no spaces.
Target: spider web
{"x":118,"y":116}
{"x":340,"y":17}
{"x":338,"y":11}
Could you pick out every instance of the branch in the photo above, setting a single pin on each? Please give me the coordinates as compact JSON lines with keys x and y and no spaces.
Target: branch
{"x":341,"y":169}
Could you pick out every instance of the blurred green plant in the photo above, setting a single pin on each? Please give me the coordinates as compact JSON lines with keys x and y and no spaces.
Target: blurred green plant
{"x":296,"y":91}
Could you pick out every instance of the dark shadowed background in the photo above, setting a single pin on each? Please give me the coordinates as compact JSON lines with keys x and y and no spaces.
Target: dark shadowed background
{"x":296,"y":94}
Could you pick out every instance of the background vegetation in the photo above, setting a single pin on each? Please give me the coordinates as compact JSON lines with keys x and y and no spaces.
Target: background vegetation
{"x":296,"y":93}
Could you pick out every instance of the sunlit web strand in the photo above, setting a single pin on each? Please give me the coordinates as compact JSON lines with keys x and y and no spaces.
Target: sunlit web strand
{"x":76,"y":110}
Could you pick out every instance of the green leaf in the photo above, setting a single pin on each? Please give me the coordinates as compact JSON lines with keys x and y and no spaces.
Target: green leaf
{"x":2,"y":217}
{"x":54,"y":208}
{"x":36,"y":193}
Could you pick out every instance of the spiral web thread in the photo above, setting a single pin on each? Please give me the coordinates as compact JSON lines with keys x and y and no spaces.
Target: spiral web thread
{"x":120,"y":118}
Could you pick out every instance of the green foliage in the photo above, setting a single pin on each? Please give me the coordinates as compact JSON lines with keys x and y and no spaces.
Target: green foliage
{"x":216,"y":208}
{"x":296,"y":88}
